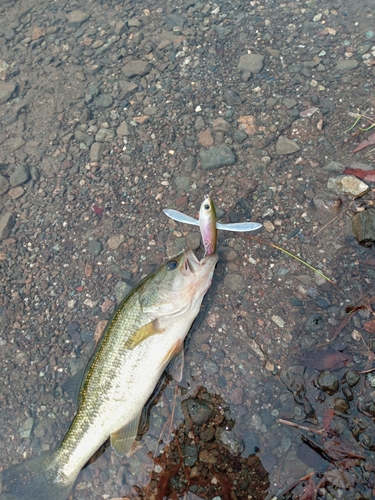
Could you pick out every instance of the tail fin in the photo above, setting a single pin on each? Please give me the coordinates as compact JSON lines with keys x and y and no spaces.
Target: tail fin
{"x":36,"y":479}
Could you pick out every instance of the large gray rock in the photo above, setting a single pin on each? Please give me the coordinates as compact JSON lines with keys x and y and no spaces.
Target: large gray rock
{"x":217,"y":157}
{"x":285,"y":146}
{"x":20,"y":175}
{"x":251,"y":62}
{"x":6,"y":91}
{"x":7,"y":221}
{"x":136,"y":68}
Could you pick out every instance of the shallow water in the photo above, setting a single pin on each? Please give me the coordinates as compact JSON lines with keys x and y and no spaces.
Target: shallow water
{"x":88,"y":222}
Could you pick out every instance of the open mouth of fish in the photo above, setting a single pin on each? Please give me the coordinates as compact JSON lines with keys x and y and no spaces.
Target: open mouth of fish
{"x":192,"y":263}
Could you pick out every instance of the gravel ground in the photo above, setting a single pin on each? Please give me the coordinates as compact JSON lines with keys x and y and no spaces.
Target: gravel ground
{"x":112,"y":111}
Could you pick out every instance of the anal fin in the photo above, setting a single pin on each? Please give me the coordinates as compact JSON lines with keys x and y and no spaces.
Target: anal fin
{"x":122,"y":440}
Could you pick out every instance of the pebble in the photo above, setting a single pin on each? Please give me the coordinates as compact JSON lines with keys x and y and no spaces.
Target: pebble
{"x":252,"y":63}
{"x":4,"y":185}
{"x":7,"y":89}
{"x":19,"y":176}
{"x":346,"y":64}
{"x":234,"y":282}
{"x":94,"y":247}
{"x":348,"y":185}
{"x":217,"y":157}
{"x":26,"y":428}
{"x":229,"y":441}
{"x":136,"y":68}
{"x":196,"y":410}
{"x":363,"y":226}
{"x":7,"y":222}
{"x":352,"y":378}
{"x":285,"y":146}
{"x":328,"y":382}
{"x":314,"y":323}
{"x":205,"y":138}
{"x":96,"y":151}
{"x":328,"y":201}
{"x":121,"y":290}
{"x":115,"y":241}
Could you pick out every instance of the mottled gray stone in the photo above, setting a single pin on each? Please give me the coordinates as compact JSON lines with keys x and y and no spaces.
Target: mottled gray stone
{"x":252,"y":63}
{"x":136,"y":68}
{"x":6,"y":91}
{"x":76,"y":18}
{"x":217,"y":157}
{"x":96,"y":151}
{"x":103,"y":101}
{"x":20,"y":175}
{"x":285,"y":146}
{"x":4,"y":185}
{"x":346,"y":64}
{"x":94,"y":247}
{"x":7,"y":221}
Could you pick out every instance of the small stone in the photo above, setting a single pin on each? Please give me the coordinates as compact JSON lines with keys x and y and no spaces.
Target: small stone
{"x":210,"y":367}
{"x":217,"y":157}
{"x":96,"y":151}
{"x":252,"y":63}
{"x":327,"y":201}
{"x":328,"y":382}
{"x":339,"y":404}
{"x":322,"y":302}
{"x":122,"y":129}
{"x":190,"y":164}
{"x":247,"y":124}
{"x":346,"y":64}
{"x":229,"y":441}
{"x":94,"y":247}
{"x":240,"y":136}
{"x":205,"y":138}
{"x":221,"y":125}
{"x":363,"y":226}
{"x":189,"y":454}
{"x":231,"y":97}
{"x":103,"y":101}
{"x":26,"y":428}
{"x":348,"y":185}
{"x":285,"y":146}
{"x":76,"y":18}
{"x":136,"y":68}
{"x":314,"y":323}
{"x":236,"y":396}
{"x":196,"y":410}
{"x":352,"y":378}
{"x":121,"y":290}
{"x":20,"y":175}
{"x":7,"y":89}
{"x":4,"y":185}
{"x":289,"y":103}
{"x":7,"y":221}
{"x":278,"y":321}
{"x":115,"y":241}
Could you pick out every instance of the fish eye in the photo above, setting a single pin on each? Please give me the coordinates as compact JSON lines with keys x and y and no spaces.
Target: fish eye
{"x":207,"y":206}
{"x":171,"y":264}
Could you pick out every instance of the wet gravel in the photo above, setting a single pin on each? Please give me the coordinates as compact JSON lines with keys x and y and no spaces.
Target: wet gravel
{"x":112,"y":111}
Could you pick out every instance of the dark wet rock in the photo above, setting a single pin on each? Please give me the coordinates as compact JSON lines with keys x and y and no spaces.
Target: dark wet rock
{"x":348,"y":393}
{"x":7,"y":89}
{"x":217,"y":157}
{"x":352,"y":378}
{"x":285,"y":146}
{"x":175,"y":20}
{"x":121,"y":290}
{"x":341,"y":405}
{"x":346,"y":64}
{"x":190,"y":454}
{"x":251,"y":63}
{"x":348,"y":185}
{"x":136,"y":68}
{"x":196,"y":410}
{"x":96,"y":151}
{"x":363,"y":226}
{"x":328,"y":382}
{"x":314,"y":323}
{"x":103,"y":101}
{"x":210,"y":367}
{"x":231,"y":97}
{"x":26,"y":428}
{"x":322,"y":302}
{"x":20,"y":175}
{"x":94,"y":247}
{"x":326,"y":200}
{"x":240,"y":136}
{"x":334,"y":167}
{"x":76,"y":18}
{"x":296,"y":302}
{"x":189,"y":164}
{"x":229,"y":441}
{"x":4,"y":185}
{"x":7,"y":221}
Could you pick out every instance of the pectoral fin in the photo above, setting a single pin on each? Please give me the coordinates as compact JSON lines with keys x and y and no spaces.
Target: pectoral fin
{"x":239,"y":226}
{"x":180,"y":217}
{"x":122,"y":440}
{"x":143,"y":333}
{"x":176,"y":359}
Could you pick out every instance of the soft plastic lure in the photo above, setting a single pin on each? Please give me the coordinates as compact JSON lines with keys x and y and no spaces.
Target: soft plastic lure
{"x":208,"y":224}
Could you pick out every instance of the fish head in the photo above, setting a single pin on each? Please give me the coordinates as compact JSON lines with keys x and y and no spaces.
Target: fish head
{"x":179,"y":285}
{"x":207,"y":210}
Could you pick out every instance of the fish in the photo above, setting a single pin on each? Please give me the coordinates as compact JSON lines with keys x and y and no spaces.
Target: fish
{"x":145,"y":333}
{"x":186,"y":219}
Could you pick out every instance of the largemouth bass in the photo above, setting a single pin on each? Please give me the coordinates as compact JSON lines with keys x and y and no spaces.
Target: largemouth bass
{"x":146,"y":332}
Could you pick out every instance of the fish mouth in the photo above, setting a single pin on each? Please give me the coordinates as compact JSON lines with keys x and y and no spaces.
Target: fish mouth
{"x":193,"y":264}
